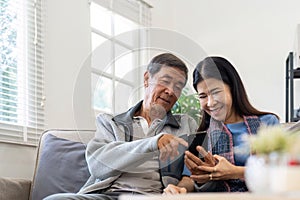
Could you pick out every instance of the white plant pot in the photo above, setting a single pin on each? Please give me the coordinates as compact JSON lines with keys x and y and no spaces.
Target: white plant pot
{"x":256,"y":174}
{"x":266,"y":175}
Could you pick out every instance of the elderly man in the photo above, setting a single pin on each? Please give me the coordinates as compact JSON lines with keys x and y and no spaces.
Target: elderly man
{"x":140,"y":151}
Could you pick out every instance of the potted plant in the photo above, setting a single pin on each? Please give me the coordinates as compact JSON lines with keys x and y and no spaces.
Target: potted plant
{"x":275,"y":160}
{"x":188,"y":104}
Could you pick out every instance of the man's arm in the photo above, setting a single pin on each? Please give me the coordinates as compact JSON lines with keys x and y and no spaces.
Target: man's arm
{"x":109,"y":155}
{"x":187,"y":183}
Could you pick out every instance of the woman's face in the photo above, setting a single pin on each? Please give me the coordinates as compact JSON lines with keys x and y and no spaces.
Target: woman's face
{"x":216,"y":100}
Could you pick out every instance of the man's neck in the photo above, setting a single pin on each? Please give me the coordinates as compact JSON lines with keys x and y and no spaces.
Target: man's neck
{"x":142,"y":113}
{"x":151,"y":113}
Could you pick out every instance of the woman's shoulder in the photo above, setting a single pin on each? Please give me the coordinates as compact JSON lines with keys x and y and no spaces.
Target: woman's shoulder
{"x":269,"y":119}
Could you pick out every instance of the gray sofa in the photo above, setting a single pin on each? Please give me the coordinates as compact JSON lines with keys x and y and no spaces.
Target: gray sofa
{"x":60,"y":167}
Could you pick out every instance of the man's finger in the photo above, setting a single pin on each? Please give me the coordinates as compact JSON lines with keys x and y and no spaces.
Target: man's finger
{"x":169,"y":150}
{"x":173,"y":190}
{"x":162,"y":155}
{"x":182,"y":141}
{"x":182,"y":190}
{"x":174,"y":145}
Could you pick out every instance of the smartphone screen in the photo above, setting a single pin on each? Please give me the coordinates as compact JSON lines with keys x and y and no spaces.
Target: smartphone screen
{"x":198,"y":139}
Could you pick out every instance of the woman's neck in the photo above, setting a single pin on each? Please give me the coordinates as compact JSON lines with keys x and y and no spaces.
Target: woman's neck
{"x":233,"y":118}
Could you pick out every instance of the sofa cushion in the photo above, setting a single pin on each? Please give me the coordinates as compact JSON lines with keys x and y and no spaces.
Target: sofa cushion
{"x":14,"y":188}
{"x":61,"y":167}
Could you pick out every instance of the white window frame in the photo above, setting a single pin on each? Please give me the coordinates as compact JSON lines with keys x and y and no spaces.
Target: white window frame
{"x":137,"y":11}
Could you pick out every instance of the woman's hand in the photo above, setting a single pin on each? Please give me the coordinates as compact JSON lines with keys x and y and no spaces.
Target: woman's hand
{"x":173,"y":189}
{"x":193,"y":162}
{"x":224,"y":170}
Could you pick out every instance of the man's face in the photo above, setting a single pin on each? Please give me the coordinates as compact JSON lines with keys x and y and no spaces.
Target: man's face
{"x":164,"y":88}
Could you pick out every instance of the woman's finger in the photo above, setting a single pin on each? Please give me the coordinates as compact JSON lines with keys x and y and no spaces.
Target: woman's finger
{"x":207,"y":169}
{"x":194,"y":158}
{"x":190,"y":164}
{"x":208,"y":157}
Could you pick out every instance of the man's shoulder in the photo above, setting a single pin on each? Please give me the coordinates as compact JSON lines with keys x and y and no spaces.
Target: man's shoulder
{"x":102,"y":114}
{"x":104,"y":117}
{"x":179,"y":116}
{"x":185,"y":120}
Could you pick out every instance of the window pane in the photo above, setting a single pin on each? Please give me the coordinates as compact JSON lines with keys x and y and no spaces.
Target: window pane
{"x":126,"y":31}
{"x":97,"y":40}
{"x":122,"y":24}
{"x":124,"y":97}
{"x":102,"y":89}
{"x":21,"y":70}
{"x":124,"y":63}
{"x":11,"y":48}
{"x":102,"y":57}
{"x":114,"y":37}
{"x":100,"y":18}
{"x":8,"y":96}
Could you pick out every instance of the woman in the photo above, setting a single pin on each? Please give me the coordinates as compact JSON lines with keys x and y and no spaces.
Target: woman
{"x":227,"y":117}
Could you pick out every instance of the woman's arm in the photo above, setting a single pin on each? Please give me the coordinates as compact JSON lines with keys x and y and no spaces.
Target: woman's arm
{"x":224,"y":170}
{"x":211,"y":167}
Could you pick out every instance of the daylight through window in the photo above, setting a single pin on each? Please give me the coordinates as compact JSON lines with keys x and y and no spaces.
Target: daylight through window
{"x":21,"y":71}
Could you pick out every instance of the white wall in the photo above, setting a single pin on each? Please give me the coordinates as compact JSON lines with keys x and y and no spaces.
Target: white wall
{"x":256,"y":36}
{"x":67,"y":48}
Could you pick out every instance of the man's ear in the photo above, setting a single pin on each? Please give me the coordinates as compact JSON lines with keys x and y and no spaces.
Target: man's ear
{"x":146,"y":79}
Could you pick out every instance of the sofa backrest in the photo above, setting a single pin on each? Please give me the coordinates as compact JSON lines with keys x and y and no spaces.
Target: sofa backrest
{"x":61,"y":165}
{"x":83,"y":136}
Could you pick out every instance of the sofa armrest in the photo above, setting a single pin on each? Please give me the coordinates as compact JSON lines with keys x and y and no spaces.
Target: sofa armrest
{"x":15,"y":188}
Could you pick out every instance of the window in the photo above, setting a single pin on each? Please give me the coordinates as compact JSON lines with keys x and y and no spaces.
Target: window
{"x":21,"y":71}
{"x":115,"y":34}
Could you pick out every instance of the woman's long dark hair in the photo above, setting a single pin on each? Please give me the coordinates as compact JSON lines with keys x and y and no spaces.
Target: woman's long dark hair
{"x":221,"y":69}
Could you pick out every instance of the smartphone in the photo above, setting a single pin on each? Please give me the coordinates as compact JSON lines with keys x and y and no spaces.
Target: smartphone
{"x":198,"y":139}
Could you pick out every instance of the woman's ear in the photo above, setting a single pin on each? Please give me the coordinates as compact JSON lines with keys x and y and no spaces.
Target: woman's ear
{"x":146,"y":79}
